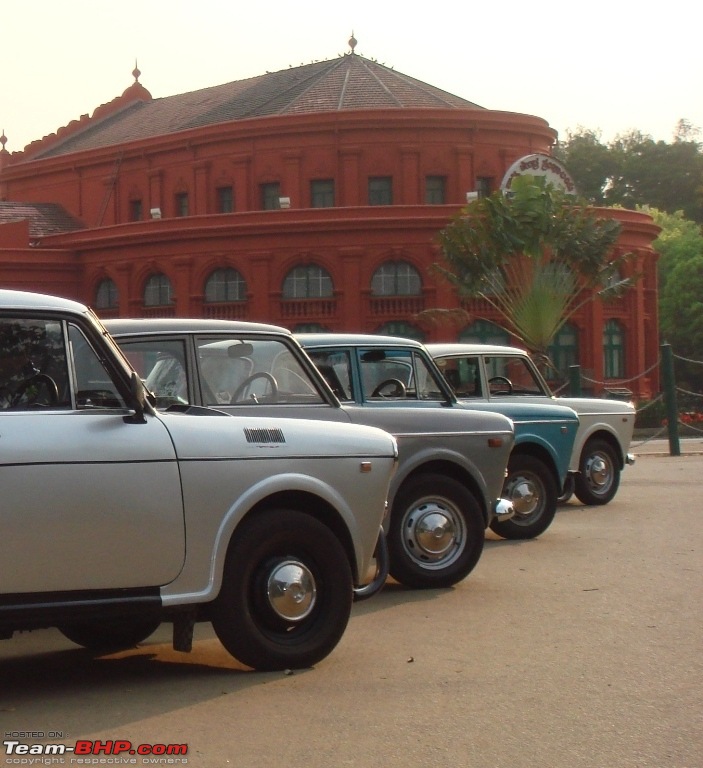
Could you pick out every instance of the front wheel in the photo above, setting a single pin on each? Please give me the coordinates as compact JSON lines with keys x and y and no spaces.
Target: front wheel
{"x":532,"y":490}
{"x":436,"y":532}
{"x":599,"y":474}
{"x":286,"y":593}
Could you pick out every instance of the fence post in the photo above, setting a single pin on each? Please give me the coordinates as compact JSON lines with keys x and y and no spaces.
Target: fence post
{"x":672,"y":413}
{"x":575,"y":380}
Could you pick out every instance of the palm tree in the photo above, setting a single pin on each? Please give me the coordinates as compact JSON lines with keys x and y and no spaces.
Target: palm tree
{"x":535,"y":254}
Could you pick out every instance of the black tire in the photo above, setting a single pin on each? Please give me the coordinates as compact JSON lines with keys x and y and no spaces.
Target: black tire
{"x":532,"y":489}
{"x":425,"y":506}
{"x":102,"y":636}
{"x":599,"y":473}
{"x":274,"y":631}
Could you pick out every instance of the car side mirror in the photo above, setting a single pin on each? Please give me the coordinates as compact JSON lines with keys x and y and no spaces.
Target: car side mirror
{"x":139,"y":400}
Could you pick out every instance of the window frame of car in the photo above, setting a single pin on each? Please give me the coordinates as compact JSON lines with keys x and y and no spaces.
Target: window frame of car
{"x":193,"y":339}
{"x":356,"y":353}
{"x":95,"y":337}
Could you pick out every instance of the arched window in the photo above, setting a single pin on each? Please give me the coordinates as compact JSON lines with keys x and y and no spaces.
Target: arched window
{"x":396,"y":278}
{"x":158,"y":291}
{"x":106,"y":295}
{"x":485,"y":332}
{"x":225,"y":285}
{"x":613,"y":350}
{"x":564,"y":349}
{"x":400,"y":328}
{"x":307,"y":282}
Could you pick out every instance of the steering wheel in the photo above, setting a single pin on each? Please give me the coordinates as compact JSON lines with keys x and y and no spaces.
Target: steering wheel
{"x":38,"y":378}
{"x":506,"y":381}
{"x":237,"y":396}
{"x":398,"y":389}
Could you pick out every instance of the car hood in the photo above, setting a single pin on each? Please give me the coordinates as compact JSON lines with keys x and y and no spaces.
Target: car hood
{"x":595,"y":405}
{"x":523,"y":412}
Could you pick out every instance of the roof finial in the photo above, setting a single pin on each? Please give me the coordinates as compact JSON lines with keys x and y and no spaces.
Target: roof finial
{"x":352,"y":42}
{"x":3,"y":141}
{"x":136,"y":72}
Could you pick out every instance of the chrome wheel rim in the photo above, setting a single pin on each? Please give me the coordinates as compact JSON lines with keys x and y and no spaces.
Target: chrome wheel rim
{"x":291,"y":590}
{"x":433,"y":533}
{"x":527,"y":495}
{"x":599,"y":473}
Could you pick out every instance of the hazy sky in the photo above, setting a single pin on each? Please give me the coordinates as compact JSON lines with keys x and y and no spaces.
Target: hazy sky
{"x":608,"y":65}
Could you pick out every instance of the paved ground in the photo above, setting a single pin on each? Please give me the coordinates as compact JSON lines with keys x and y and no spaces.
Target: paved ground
{"x":581,"y":649}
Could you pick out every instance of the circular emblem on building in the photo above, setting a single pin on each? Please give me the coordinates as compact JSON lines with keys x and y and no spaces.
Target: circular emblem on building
{"x":540,"y":165}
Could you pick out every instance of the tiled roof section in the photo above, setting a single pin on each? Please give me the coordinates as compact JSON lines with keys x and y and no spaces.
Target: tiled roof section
{"x":347,"y":83}
{"x":44,"y":218}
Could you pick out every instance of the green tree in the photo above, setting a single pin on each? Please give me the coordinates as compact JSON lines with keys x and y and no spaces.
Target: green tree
{"x":680,"y":248}
{"x":634,"y":170}
{"x":590,"y":163}
{"x":530,"y":254}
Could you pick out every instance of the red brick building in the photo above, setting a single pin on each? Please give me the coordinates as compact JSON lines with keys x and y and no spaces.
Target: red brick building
{"x":309,"y":197}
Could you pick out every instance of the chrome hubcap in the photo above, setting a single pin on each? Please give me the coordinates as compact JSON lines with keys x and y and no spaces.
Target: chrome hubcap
{"x":525,"y":495}
{"x":433,"y":533}
{"x":291,"y":590}
{"x":598,"y":472}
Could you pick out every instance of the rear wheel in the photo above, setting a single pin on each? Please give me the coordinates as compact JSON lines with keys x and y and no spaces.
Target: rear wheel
{"x":532,"y":490}
{"x":599,"y":473}
{"x":115,"y":634}
{"x":436,"y":532}
{"x":286,"y":593}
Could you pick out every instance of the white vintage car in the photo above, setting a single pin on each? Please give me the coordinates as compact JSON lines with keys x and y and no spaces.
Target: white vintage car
{"x":116,"y":516}
{"x":500,"y":374}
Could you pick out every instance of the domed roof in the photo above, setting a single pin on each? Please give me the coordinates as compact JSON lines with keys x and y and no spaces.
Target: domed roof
{"x":350,"y":82}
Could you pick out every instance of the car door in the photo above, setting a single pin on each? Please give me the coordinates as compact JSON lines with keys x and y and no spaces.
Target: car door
{"x":91,"y":498}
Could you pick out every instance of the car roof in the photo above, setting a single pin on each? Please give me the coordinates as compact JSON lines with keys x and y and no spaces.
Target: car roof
{"x":354,"y":340}
{"x":10,"y":299}
{"x":137,"y":325}
{"x":448,"y":349}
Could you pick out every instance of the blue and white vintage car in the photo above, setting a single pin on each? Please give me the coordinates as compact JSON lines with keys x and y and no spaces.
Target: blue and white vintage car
{"x":451,"y":460}
{"x":498,"y":375}
{"x":116,"y":516}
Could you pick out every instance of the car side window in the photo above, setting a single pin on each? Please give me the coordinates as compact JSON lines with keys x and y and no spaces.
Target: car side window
{"x":33,"y":366}
{"x":511,"y":375}
{"x":162,"y":366}
{"x":463,"y":375}
{"x":95,"y":388}
{"x":336,"y":368}
{"x":252,"y":371}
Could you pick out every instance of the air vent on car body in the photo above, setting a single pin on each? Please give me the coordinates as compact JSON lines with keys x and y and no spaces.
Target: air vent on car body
{"x":264,"y":435}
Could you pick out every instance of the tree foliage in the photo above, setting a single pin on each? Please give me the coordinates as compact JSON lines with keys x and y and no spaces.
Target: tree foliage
{"x":530,"y":254}
{"x":680,"y":245}
{"x":634,"y":170}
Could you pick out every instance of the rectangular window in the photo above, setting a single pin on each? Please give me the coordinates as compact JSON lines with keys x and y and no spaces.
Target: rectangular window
{"x":135,"y":210}
{"x":322,"y":193}
{"x":271,"y":196}
{"x":225,"y":200}
{"x":435,"y":190}
{"x":182,"y":204}
{"x":380,"y":190}
{"x":483,"y":186}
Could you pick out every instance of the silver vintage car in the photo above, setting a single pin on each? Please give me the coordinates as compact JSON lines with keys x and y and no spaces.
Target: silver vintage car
{"x":452,"y":461}
{"x":116,"y":516}
{"x":499,"y":374}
